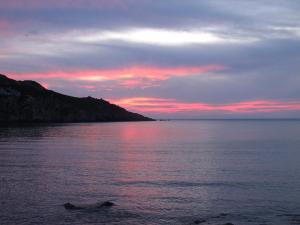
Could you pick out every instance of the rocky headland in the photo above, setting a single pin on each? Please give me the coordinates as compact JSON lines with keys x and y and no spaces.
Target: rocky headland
{"x":28,"y":101}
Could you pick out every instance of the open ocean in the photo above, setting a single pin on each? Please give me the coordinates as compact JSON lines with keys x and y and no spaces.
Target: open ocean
{"x":246,"y":172}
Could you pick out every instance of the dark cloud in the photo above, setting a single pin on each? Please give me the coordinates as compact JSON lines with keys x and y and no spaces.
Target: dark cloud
{"x":241,"y":16}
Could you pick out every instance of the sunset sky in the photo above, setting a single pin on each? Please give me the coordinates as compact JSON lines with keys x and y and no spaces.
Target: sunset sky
{"x":161,"y":58}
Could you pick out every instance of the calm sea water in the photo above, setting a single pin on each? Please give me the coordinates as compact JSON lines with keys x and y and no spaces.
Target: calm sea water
{"x":174,"y":172}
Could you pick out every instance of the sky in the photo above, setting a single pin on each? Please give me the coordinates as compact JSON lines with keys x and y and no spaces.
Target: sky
{"x":161,"y":58}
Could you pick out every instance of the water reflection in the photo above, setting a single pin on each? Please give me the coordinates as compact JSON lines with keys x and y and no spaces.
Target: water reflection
{"x":157,"y":173}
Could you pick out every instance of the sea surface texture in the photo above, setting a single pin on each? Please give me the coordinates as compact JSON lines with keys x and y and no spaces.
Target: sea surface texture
{"x":244,"y":172}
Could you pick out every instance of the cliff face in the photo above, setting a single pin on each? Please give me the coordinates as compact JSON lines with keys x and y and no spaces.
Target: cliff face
{"x":28,"y":101}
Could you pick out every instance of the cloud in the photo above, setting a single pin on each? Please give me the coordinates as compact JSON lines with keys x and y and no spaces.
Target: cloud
{"x":171,"y":106}
{"x":213,"y":52}
{"x":160,"y":37}
{"x":5,"y":28}
{"x":4,"y":25}
{"x":125,"y":74}
{"x":37,"y":4}
{"x":89,"y":87}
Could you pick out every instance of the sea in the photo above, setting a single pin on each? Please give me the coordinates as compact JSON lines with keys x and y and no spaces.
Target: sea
{"x":177,"y":172}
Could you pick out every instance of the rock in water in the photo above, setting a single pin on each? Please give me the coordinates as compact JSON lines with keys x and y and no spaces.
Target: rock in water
{"x":106,"y":204}
{"x":28,"y":101}
{"x":71,"y":206}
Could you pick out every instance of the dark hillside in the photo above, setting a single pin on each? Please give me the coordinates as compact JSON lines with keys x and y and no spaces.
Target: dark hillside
{"x":28,"y":101}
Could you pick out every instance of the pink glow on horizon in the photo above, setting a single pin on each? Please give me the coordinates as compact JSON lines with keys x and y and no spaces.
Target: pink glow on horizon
{"x":45,"y":85}
{"x":124,"y":74}
{"x":167,"y":106}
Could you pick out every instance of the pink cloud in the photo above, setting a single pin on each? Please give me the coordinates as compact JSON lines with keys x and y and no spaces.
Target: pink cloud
{"x":5,"y":28}
{"x":131,"y":83}
{"x":168,"y":106}
{"x":90,"y":87}
{"x":130,"y":75}
{"x":38,"y":4}
{"x":3,"y":24}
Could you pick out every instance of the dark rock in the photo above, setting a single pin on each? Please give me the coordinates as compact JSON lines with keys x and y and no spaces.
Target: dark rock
{"x":221,"y":215}
{"x":71,"y":206}
{"x":107,"y":204}
{"x":28,"y":101}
